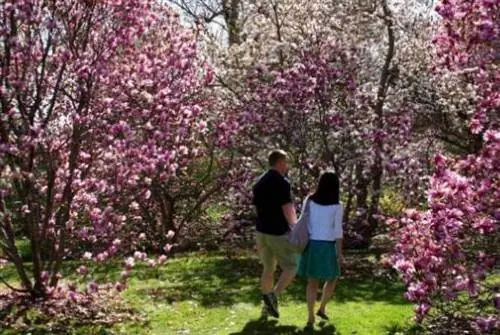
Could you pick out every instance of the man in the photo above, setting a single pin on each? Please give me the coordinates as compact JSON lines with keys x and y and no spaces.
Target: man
{"x":275,"y":212}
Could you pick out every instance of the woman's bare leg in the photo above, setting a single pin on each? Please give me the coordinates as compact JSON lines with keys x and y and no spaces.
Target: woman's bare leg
{"x":328,"y":290}
{"x":311,"y":294}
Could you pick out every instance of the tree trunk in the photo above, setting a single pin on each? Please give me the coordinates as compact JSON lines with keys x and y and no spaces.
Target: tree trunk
{"x":167,"y":211}
{"x":9,"y":248}
{"x":361,"y":204}
{"x":377,"y":168}
{"x":231,"y":16}
{"x":350,"y":197}
{"x":64,"y":212}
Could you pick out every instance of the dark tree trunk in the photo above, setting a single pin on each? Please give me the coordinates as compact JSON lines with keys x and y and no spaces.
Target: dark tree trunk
{"x":231,"y":16}
{"x":386,"y":77}
{"x":361,"y":205}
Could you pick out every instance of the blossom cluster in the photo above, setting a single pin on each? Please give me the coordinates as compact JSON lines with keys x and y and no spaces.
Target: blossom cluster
{"x":452,"y":247}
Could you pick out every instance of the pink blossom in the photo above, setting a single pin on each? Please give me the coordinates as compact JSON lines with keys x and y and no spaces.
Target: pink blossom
{"x":87,"y":255}
{"x":119,"y":286}
{"x":442,"y":244}
{"x":167,"y":247}
{"x":112,"y":250}
{"x":423,"y":309}
{"x":73,"y":296}
{"x":129,"y":263}
{"x":92,"y":287}
{"x":102,"y":256}
{"x":125,"y":274}
{"x":25,"y":209}
{"x":83,"y":270}
{"x":487,"y":324}
{"x":170,"y":234}
{"x":162,"y":259}
{"x":45,"y":276}
{"x":140,"y":255}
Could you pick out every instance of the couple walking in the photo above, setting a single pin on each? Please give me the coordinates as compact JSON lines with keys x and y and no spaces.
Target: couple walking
{"x":320,"y":261}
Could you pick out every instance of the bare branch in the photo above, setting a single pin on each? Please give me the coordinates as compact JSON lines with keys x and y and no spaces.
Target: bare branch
{"x":3,"y":281}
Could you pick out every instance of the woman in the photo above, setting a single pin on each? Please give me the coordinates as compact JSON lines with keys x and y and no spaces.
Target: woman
{"x":322,"y":257}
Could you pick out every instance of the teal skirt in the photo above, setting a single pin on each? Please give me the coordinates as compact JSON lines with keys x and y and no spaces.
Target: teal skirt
{"x":319,"y":261}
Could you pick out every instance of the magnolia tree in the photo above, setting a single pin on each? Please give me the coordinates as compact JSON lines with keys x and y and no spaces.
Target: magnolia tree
{"x":379,"y":128}
{"x":161,"y":157}
{"x":446,"y":254}
{"x":323,"y":81}
{"x":101,"y":116}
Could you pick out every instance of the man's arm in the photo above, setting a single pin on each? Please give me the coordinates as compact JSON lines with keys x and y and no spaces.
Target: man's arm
{"x":289,"y":213}
{"x":287,"y":206}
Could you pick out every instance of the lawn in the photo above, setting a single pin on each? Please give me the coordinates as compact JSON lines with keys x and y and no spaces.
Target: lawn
{"x":213,"y":294}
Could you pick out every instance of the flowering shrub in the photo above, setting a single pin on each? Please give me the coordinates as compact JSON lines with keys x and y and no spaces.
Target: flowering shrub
{"x":452,"y":248}
{"x":101,"y":105}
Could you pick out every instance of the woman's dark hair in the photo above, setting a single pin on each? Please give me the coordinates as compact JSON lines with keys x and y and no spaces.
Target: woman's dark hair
{"x":328,"y":190}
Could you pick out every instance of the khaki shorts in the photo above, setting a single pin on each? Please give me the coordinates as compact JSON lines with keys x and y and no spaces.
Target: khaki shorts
{"x":274,"y":249}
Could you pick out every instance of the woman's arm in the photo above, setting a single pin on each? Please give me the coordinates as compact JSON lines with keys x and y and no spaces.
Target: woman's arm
{"x":340,"y":251}
{"x":339,"y":234}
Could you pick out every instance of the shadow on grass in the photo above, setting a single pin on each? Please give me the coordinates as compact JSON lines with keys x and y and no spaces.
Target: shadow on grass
{"x":271,"y":327}
{"x":216,"y":281}
{"x":219,"y":281}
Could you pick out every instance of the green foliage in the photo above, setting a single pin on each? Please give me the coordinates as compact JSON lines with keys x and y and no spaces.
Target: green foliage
{"x":24,"y":249}
{"x":216,"y":212}
{"x":392,"y":203}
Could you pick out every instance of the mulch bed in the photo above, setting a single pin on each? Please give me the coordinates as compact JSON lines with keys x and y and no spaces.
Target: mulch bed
{"x":21,"y":314}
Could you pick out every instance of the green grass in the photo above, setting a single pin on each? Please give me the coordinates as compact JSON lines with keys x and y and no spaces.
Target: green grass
{"x":210,"y":294}
{"x":24,"y":249}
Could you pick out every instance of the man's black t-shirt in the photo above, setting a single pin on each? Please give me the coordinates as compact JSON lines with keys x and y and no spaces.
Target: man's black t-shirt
{"x":270,"y":193}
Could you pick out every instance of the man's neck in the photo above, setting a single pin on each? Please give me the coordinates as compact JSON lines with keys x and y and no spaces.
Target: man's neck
{"x":275,"y":169}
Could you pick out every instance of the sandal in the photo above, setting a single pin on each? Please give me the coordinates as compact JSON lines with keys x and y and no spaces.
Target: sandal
{"x":322,"y":315}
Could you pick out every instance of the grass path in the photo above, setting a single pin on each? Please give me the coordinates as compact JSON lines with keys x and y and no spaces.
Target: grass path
{"x":206,"y":294}
{"x":214,"y":295}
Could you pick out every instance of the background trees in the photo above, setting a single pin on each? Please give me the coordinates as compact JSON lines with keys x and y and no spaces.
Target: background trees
{"x":354,"y":111}
{"x":127,"y":128}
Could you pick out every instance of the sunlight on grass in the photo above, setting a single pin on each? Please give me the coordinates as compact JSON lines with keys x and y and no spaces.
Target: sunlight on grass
{"x":213,"y":295}
{"x":210,"y":294}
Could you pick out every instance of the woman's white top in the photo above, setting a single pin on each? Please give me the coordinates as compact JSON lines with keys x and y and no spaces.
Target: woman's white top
{"x":325,"y":222}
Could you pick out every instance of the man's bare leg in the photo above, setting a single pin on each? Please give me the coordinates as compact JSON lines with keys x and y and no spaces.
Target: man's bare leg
{"x":285,"y":279}
{"x":266,"y":281}
{"x":268,"y":294}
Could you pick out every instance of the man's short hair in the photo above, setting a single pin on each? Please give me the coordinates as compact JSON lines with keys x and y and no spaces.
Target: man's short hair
{"x":275,"y":156}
